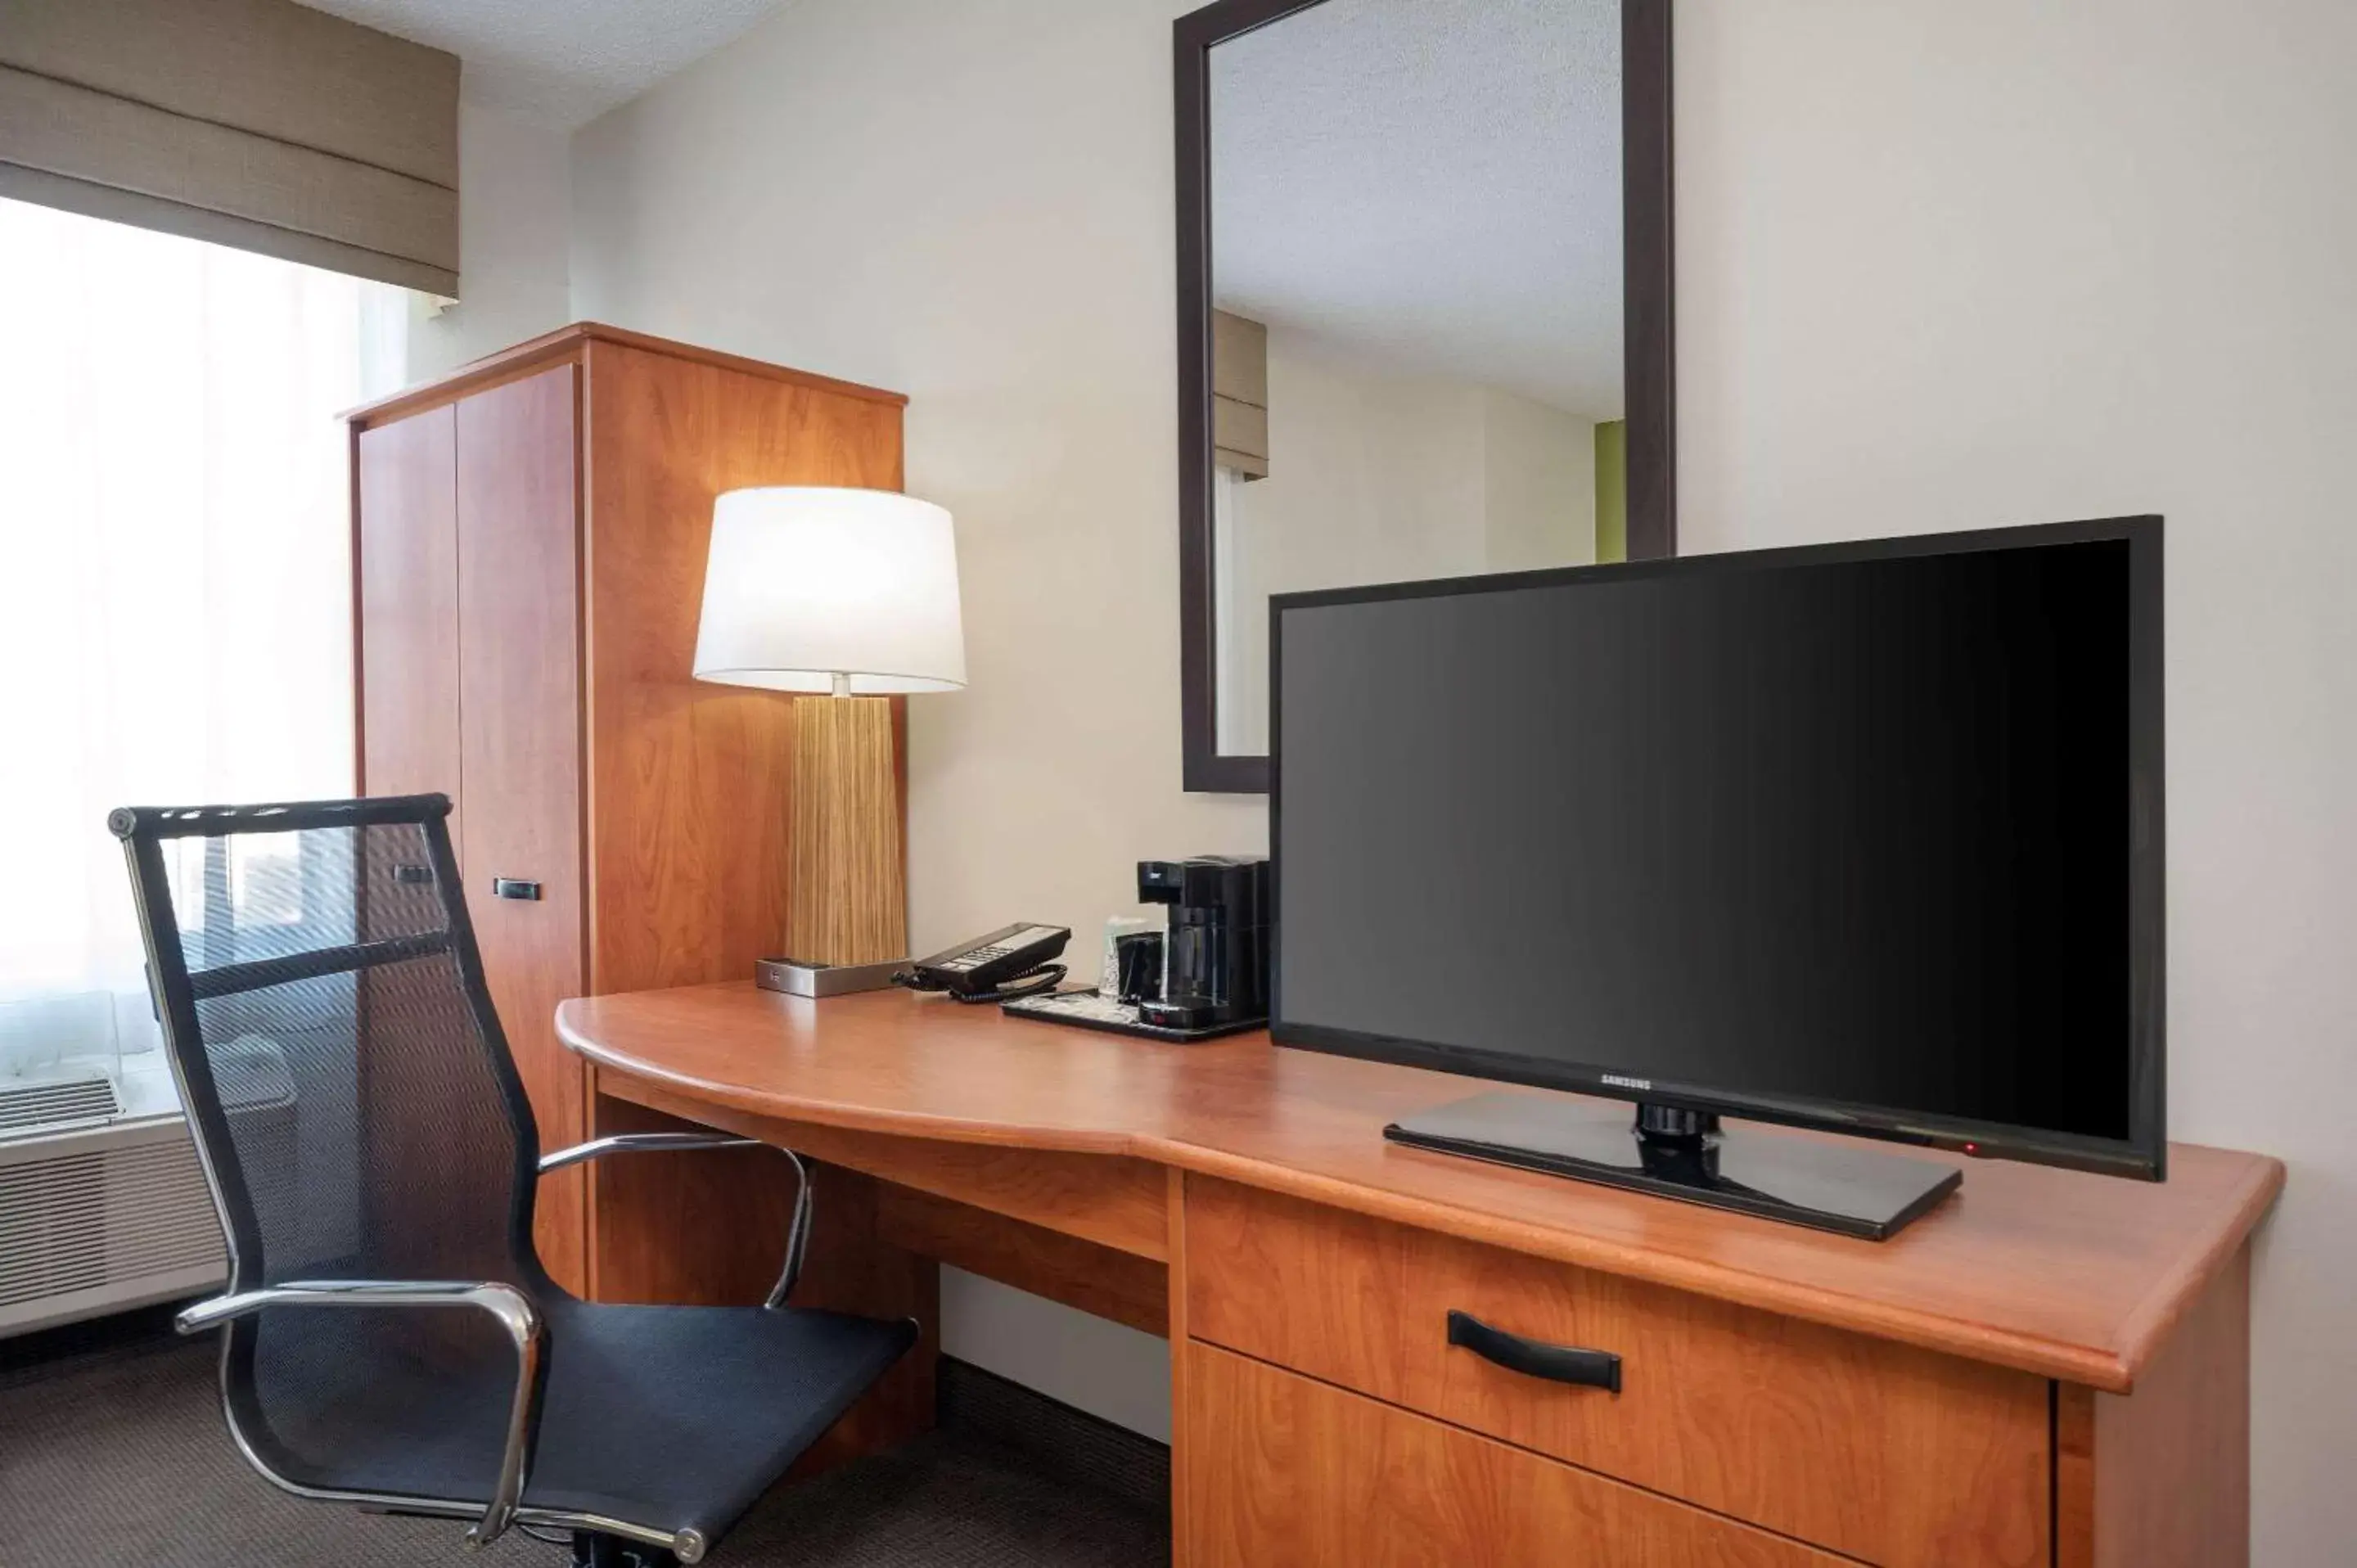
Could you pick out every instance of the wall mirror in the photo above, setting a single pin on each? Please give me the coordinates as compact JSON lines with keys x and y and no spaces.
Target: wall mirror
{"x":1424,"y":311}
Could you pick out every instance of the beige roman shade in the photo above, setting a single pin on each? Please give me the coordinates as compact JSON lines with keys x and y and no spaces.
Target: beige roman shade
{"x":259,"y":124}
{"x":1240,"y":394}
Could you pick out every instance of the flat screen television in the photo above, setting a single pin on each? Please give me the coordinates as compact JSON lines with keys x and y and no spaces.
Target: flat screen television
{"x":1862,"y":837}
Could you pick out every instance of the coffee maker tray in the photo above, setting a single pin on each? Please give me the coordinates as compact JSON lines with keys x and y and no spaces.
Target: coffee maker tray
{"x":1090,"y":1010}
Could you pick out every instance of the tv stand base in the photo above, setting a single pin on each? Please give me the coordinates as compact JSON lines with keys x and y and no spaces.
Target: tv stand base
{"x":1684,"y":1154}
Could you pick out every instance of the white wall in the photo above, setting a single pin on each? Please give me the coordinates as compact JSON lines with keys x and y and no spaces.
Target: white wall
{"x":1380,"y":475}
{"x":1939,"y":266}
{"x":1120,"y":1373}
{"x":1944,"y":266}
{"x":1538,"y":485}
{"x":1374,"y":476}
{"x":514,"y":243}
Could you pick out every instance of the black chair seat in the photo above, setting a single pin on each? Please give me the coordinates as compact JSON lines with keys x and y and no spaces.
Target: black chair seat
{"x":363,"y":1130}
{"x":673,"y":1418}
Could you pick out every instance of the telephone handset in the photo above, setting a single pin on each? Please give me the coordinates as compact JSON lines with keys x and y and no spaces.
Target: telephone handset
{"x":1011,"y":961}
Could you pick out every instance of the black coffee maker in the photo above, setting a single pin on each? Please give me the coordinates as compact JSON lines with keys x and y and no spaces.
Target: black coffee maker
{"x":1215,"y":951}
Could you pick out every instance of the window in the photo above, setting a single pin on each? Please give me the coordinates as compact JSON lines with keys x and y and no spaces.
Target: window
{"x":175,"y":591}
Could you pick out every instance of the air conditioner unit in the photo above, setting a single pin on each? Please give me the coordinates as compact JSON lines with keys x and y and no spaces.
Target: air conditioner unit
{"x":102,"y":1202}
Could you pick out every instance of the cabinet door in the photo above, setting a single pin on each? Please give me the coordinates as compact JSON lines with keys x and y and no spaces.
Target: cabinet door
{"x":405,"y":652}
{"x":1898,"y":1456}
{"x":691,"y":780}
{"x":520,"y":721}
{"x":1283,"y":1469}
{"x":407,"y":548}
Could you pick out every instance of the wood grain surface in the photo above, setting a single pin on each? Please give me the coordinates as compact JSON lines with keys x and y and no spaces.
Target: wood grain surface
{"x":406,"y":665}
{"x":1898,"y":1455}
{"x":1110,"y":1201}
{"x":2056,"y":1273}
{"x":575,"y":529}
{"x":520,"y":723}
{"x":1184,"y":1437}
{"x":569,"y":343}
{"x":698,"y":1228}
{"x":1121,"y":1286}
{"x":406,"y":538}
{"x":847,"y":898}
{"x":2162,"y":1480}
{"x":851,"y":1268}
{"x":1302,"y":1473}
{"x":689,"y":781}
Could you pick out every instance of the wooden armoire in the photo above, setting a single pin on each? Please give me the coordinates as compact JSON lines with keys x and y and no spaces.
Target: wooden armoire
{"x":528,"y":547}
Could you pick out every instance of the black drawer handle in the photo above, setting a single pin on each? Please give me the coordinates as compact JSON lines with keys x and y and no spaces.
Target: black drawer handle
{"x":413,"y":875}
{"x":1535,"y":1357}
{"x":509,"y":888}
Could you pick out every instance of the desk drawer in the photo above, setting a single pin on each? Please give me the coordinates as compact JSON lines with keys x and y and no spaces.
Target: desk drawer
{"x":1897,"y":1455}
{"x":1296,"y":1472}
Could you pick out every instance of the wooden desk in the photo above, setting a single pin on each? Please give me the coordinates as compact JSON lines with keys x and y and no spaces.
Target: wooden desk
{"x":2051,"y":1368}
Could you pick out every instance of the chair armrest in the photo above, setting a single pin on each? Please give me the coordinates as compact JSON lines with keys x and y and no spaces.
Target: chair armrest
{"x":796,"y":1235}
{"x":641,"y":1142}
{"x":514,"y":1309}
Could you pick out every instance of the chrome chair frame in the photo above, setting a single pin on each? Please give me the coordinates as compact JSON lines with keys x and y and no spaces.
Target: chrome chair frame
{"x":797,"y":1233}
{"x":512,"y":1307}
{"x":521,"y":1317}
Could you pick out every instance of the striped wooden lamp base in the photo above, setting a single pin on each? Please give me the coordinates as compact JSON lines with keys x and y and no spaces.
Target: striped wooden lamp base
{"x":847,"y":900}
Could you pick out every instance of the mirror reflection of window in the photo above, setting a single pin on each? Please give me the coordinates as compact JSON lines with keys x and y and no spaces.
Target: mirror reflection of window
{"x":1417,"y":210}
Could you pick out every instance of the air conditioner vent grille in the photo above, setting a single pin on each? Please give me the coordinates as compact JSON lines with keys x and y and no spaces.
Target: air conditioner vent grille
{"x":51,"y":1102}
{"x":104,"y":1217}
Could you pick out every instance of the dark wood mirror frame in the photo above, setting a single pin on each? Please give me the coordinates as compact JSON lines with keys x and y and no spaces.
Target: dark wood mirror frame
{"x":1649,"y":377}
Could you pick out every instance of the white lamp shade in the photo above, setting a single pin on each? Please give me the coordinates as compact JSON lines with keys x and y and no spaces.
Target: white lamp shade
{"x":806,"y":583}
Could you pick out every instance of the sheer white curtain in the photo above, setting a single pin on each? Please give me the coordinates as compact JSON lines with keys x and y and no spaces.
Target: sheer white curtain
{"x":175,"y":591}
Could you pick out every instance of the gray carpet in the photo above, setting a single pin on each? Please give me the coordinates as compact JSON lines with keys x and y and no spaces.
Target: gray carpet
{"x":117,"y":1458}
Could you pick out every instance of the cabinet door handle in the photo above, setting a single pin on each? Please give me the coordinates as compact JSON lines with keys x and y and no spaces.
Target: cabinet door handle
{"x":413,"y":875}
{"x":1535,"y":1357}
{"x":509,"y":887}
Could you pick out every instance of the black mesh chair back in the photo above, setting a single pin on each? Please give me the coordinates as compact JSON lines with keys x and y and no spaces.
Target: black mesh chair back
{"x":370,"y":1148}
{"x":354,"y":1103}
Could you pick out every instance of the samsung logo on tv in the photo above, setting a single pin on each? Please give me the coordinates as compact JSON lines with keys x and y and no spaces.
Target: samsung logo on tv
{"x":1614,"y":1080}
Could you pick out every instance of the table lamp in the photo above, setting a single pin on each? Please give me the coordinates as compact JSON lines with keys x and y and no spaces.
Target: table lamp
{"x":852,"y":594}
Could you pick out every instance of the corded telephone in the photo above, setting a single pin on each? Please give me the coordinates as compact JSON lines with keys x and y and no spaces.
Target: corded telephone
{"x":1011,"y":961}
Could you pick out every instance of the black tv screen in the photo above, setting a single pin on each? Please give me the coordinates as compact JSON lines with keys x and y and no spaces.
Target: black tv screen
{"x":1860,"y":836}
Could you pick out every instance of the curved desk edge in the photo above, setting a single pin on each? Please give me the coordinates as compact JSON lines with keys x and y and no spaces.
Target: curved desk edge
{"x":2216,"y":1233}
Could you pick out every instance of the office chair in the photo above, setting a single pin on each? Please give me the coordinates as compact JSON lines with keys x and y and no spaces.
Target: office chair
{"x":391,"y":1341}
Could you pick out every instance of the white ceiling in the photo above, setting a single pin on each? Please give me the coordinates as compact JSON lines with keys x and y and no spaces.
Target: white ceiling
{"x":1433,"y":183}
{"x":563,"y":62}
